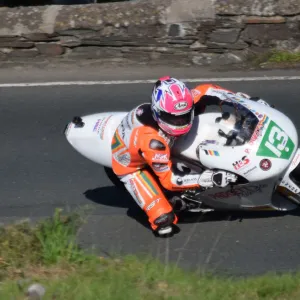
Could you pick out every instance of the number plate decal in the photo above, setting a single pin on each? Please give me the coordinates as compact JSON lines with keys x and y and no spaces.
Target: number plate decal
{"x":276,"y":143}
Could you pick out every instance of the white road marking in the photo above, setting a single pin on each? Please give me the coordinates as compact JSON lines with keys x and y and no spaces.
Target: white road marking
{"x":116,"y":82}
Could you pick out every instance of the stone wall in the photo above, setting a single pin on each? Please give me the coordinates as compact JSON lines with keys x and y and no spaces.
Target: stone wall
{"x":181,"y":32}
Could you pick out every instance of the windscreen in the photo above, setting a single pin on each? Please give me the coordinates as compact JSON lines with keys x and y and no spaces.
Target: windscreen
{"x":237,"y":123}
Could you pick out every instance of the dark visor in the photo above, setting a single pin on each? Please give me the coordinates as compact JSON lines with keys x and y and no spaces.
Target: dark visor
{"x":180,"y":120}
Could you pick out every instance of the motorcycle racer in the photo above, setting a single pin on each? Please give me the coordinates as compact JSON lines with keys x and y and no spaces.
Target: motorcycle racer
{"x":142,"y":144}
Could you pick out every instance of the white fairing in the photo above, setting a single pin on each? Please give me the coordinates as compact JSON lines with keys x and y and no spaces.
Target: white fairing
{"x":263,"y":161}
{"x":93,"y":140}
{"x":286,"y":181}
{"x":247,"y":160}
{"x":264,"y":158}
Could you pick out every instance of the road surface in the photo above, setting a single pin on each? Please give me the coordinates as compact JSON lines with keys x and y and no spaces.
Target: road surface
{"x":40,"y":171}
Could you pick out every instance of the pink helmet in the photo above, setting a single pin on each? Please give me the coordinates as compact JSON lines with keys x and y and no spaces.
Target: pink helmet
{"x":172,"y":106}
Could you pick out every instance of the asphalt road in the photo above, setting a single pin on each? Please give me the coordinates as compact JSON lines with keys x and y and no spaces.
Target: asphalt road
{"x":40,"y":171}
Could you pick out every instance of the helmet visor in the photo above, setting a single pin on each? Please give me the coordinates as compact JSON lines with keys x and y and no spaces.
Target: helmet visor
{"x":179,"y":120}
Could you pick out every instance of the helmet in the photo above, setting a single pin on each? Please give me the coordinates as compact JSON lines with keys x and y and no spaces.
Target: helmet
{"x":172,"y":106}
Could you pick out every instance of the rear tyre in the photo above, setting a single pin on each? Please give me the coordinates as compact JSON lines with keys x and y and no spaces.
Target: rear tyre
{"x":114,"y":178}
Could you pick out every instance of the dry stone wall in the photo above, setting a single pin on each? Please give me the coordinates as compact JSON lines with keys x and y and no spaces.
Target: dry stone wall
{"x":181,"y":32}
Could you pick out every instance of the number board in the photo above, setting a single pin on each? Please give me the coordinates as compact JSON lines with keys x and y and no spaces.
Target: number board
{"x":276,"y":143}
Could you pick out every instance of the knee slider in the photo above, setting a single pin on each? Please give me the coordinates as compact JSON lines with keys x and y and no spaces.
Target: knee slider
{"x":165,"y":219}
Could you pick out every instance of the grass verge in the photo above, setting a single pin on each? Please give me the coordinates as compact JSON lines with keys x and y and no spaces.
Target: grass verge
{"x":47,"y":254}
{"x":276,"y":58}
{"x":284,"y":56}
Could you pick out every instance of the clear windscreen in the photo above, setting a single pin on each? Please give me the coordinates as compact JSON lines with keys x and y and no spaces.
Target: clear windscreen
{"x":237,"y":123}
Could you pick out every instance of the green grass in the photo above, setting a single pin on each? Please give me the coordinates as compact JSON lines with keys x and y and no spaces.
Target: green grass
{"x":284,"y":56}
{"x":49,"y":242}
{"x":276,"y":57}
{"x":48,"y":254}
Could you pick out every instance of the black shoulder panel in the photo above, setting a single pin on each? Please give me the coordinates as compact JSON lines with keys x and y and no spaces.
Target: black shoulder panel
{"x":144,"y":115}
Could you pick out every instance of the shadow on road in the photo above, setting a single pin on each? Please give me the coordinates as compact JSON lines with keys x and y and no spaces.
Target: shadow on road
{"x":115,"y":197}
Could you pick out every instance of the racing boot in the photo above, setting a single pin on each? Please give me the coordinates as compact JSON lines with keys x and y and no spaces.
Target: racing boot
{"x":165,"y":223}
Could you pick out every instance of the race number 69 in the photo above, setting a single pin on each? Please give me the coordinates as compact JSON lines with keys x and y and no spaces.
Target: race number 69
{"x":277,"y":136}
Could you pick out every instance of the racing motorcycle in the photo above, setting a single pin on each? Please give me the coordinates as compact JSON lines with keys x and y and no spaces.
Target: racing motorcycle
{"x":249,"y":138}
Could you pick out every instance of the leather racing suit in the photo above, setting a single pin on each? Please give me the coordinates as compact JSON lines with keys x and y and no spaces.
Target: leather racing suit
{"x":139,"y":143}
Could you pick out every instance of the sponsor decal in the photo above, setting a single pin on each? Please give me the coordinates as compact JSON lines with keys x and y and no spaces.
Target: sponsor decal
{"x":258,"y":130}
{"x":160,"y":167}
{"x":133,"y":188}
{"x":248,"y":150}
{"x":244,"y":191}
{"x":189,"y":179}
{"x":132,"y":117}
{"x":292,"y":188}
{"x":97,"y":125}
{"x":237,"y":99}
{"x":123,"y":159}
{"x":219,"y":91}
{"x":206,"y":142}
{"x":265,"y":164}
{"x":103,"y":126}
{"x":135,"y":137}
{"x":139,"y":111}
{"x":275,"y":143}
{"x":128,"y":122}
{"x":212,"y":152}
{"x":250,"y":170}
{"x":196,"y":93}
{"x":181,"y":105}
{"x":239,"y":164}
{"x":296,"y":160}
{"x":255,"y":136}
{"x":161,"y":157}
{"x":152,"y":204}
{"x":122,"y":130}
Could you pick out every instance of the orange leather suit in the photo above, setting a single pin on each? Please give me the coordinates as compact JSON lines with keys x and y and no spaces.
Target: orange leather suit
{"x":141,"y":152}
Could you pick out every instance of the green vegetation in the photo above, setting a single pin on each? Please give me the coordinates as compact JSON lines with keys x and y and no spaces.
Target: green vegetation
{"x":284,"y":56}
{"x":275,"y":57}
{"x":48,"y":254}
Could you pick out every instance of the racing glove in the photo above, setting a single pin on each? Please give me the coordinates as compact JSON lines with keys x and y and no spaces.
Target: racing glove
{"x":210,"y":178}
